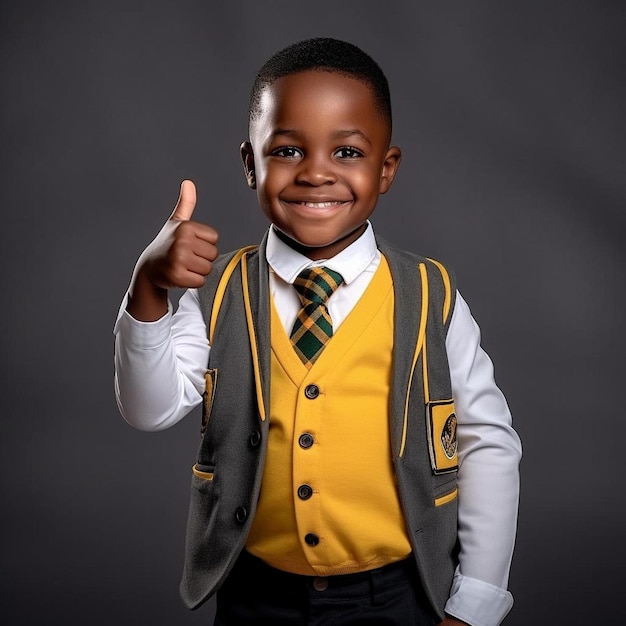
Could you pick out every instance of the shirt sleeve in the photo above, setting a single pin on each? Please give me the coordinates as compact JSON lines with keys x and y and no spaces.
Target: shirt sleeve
{"x":488,"y":478}
{"x":160,"y":366}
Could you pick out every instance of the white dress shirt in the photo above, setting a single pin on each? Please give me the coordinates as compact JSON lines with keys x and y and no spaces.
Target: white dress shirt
{"x":159,"y":378}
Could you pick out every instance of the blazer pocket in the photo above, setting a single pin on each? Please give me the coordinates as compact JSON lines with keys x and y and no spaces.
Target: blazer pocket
{"x":450,"y":496}
{"x":203,"y":471}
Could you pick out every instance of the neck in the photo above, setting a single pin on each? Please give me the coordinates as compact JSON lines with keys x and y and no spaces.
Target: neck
{"x":323,"y":252}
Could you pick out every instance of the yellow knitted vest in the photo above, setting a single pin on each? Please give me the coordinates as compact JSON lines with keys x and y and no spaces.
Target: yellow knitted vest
{"x":328,"y":502}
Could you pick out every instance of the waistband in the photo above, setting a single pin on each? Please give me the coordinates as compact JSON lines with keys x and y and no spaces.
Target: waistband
{"x":369,"y":581}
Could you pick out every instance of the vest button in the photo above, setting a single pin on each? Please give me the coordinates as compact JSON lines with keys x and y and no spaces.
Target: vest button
{"x":306,"y":440}
{"x":255,"y":439}
{"x":311,"y":539}
{"x":305,"y":492}
{"x":241,"y":514}
{"x":311,"y":391}
{"x":320,"y":584}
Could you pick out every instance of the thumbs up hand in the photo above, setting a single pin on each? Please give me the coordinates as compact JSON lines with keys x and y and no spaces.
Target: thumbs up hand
{"x":179,"y":256}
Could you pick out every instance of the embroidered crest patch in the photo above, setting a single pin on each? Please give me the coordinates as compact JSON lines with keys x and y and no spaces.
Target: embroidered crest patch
{"x":448,"y":437}
{"x":210,"y":378}
{"x":442,"y":436}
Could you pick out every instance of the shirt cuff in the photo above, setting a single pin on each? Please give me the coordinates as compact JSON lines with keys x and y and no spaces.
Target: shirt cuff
{"x":478,"y":603}
{"x":142,"y":335}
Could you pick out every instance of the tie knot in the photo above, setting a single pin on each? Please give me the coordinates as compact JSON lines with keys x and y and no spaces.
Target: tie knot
{"x":317,"y":284}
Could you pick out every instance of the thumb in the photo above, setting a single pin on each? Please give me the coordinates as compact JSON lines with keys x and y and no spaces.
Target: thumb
{"x":186,"y":202}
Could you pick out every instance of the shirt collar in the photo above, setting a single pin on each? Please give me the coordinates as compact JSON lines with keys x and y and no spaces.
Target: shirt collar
{"x":287,"y":263}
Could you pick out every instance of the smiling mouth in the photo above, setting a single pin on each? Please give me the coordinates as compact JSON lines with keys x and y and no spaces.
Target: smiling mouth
{"x":319,"y":205}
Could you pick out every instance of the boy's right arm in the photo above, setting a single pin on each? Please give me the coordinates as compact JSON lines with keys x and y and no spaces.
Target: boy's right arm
{"x":155,"y":386}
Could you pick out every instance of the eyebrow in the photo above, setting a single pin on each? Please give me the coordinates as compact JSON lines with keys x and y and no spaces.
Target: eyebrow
{"x":340,"y":134}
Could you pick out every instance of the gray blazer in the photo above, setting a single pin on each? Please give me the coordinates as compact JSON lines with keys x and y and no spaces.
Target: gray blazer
{"x":227,"y":478}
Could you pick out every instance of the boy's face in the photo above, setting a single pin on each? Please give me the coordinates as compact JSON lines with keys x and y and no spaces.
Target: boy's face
{"x":319,"y":157}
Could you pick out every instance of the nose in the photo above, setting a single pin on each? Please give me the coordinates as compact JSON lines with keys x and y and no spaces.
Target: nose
{"x":316,"y":171}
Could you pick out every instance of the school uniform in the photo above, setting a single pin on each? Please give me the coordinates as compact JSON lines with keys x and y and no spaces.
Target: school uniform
{"x":375,"y":354}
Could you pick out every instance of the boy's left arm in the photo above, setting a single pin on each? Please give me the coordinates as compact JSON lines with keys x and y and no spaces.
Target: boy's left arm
{"x":488,"y":480}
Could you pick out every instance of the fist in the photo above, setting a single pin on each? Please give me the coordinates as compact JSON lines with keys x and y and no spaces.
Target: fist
{"x":181,"y":254}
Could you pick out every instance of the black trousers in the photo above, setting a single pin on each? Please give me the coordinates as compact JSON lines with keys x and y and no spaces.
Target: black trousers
{"x":255,"y":593}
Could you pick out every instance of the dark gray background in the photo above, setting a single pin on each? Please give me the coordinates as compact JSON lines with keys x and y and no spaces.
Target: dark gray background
{"x":511,"y":119}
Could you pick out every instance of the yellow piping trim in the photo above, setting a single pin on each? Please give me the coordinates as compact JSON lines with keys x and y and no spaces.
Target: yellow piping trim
{"x":201,"y":474}
{"x":221,"y":289}
{"x":425,"y":373}
{"x":255,"y":354}
{"x":421,"y":335}
{"x":446,"y":283}
{"x":447,"y":498}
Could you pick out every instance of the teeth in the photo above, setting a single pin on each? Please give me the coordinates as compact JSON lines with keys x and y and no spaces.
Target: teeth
{"x":319,"y":205}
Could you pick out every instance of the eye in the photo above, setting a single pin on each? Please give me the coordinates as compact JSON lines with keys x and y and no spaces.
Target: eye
{"x":287,"y":152}
{"x":347,"y":152}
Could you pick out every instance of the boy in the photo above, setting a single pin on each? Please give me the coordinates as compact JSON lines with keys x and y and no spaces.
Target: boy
{"x":340,"y":372}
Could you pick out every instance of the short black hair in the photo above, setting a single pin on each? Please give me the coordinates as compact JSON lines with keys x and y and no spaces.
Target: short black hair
{"x":324,"y":54}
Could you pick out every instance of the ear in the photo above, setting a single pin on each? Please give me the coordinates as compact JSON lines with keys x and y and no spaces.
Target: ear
{"x":247,"y":156}
{"x":390,"y":167}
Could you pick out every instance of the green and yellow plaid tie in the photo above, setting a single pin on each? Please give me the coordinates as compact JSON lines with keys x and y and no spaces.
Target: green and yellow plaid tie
{"x":313,"y":326}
